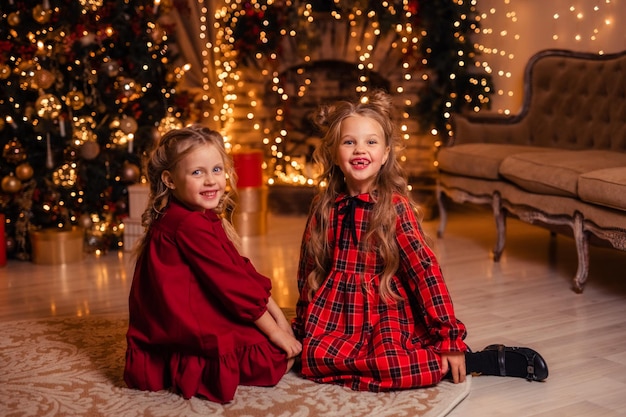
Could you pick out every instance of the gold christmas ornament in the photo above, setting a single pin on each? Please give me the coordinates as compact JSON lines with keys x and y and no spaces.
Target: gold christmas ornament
{"x":90,"y":150}
{"x":42,"y":79}
{"x":48,"y":106}
{"x":41,"y":15}
{"x":5,"y":71}
{"x":14,"y":19}
{"x":83,"y":122}
{"x":26,"y":71}
{"x":85,"y":221}
{"x":83,"y":135}
{"x":10,"y":184}
{"x":158,"y":34}
{"x":24,"y":171}
{"x":169,"y":123}
{"x":75,"y":99}
{"x":114,"y":124}
{"x":88,"y":39}
{"x":13,"y":151}
{"x":66,"y":175}
{"x":130,"y":172}
{"x":111,"y":68}
{"x":119,"y":138}
{"x":128,"y":89}
{"x":128,"y":124}
{"x":91,"y":5}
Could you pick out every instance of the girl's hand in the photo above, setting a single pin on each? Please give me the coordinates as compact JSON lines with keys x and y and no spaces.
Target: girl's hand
{"x":285,"y":340}
{"x":455,"y":363}
{"x":276,"y":327}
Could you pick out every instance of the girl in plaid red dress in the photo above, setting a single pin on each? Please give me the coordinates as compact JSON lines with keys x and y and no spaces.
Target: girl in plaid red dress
{"x":374,"y":312}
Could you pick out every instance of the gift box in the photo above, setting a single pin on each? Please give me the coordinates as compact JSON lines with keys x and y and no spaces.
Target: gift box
{"x":137,"y":200}
{"x":57,"y":246}
{"x":250,"y":215}
{"x":133,"y":230}
{"x":250,"y":224}
{"x":248,"y":166}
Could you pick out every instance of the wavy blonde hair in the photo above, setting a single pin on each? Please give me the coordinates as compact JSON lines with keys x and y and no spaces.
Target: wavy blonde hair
{"x":390,"y":180}
{"x":171,"y":149}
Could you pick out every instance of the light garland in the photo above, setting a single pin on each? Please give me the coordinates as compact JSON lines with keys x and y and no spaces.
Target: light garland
{"x":584,"y":25}
{"x":600,"y":15}
{"x":364,"y":32}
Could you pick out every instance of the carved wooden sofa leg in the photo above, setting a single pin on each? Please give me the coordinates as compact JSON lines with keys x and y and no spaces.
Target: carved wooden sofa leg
{"x":582,"y":248}
{"x":499,"y":214}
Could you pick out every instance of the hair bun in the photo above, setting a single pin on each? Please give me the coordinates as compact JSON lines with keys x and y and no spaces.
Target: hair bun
{"x":321,"y":117}
{"x":381,"y":100}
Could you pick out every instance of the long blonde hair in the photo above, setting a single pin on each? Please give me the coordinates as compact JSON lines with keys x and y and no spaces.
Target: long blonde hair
{"x":171,"y":149}
{"x":389,"y":181}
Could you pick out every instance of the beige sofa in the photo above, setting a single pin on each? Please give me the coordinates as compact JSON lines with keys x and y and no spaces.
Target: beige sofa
{"x":559,"y":163}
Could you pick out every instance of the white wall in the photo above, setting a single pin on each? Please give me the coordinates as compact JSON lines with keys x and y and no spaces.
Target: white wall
{"x":513,"y":30}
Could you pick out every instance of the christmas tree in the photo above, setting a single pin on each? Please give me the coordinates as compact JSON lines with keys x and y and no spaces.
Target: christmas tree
{"x":87,"y":87}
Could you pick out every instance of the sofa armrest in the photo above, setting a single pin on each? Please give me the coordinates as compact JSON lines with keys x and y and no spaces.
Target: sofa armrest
{"x":488,"y":128}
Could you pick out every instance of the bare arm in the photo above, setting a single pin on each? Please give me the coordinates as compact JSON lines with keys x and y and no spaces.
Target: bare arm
{"x":281,"y":337}
{"x":279,"y":316}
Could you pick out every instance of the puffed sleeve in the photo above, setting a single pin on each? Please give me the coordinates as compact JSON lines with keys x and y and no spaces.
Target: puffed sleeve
{"x":220,"y":268}
{"x":425,"y":280}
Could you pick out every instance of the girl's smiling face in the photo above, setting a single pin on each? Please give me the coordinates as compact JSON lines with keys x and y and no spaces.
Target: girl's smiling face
{"x":198,"y":180}
{"x":361,"y":152}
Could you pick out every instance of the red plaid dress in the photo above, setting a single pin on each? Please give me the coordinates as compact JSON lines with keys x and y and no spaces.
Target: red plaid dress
{"x":349,"y":335}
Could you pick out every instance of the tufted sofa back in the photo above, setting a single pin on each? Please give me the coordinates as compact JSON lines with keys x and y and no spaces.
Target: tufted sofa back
{"x":576,"y":101}
{"x":572,"y":100}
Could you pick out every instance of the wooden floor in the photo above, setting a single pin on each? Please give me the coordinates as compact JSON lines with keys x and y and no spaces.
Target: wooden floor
{"x":525,"y":299}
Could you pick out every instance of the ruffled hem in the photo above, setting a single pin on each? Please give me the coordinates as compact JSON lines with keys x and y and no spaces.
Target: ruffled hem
{"x":216,"y":378}
{"x":359,"y":382}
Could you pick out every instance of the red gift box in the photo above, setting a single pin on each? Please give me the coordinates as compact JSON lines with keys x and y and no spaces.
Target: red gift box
{"x":249,"y":168}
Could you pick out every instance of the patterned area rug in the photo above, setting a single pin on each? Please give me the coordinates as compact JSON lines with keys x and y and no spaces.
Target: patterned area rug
{"x":73,"y":367}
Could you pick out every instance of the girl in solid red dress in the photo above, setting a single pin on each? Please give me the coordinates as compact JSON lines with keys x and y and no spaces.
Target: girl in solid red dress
{"x":374,"y":312}
{"x":202,"y":319}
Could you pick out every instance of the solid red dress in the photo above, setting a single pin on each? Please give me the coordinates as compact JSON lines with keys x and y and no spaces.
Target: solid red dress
{"x":192,"y":305}
{"x":349,"y":335}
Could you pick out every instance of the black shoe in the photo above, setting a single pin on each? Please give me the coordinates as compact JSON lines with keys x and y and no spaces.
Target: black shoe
{"x":536,"y":367}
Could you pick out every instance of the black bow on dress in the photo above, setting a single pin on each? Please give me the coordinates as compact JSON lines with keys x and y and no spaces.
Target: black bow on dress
{"x":349,"y":221}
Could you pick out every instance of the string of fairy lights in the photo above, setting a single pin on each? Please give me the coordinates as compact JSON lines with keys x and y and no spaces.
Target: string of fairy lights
{"x":229,"y":70}
{"x":497,"y":41}
{"x":580,"y":25}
